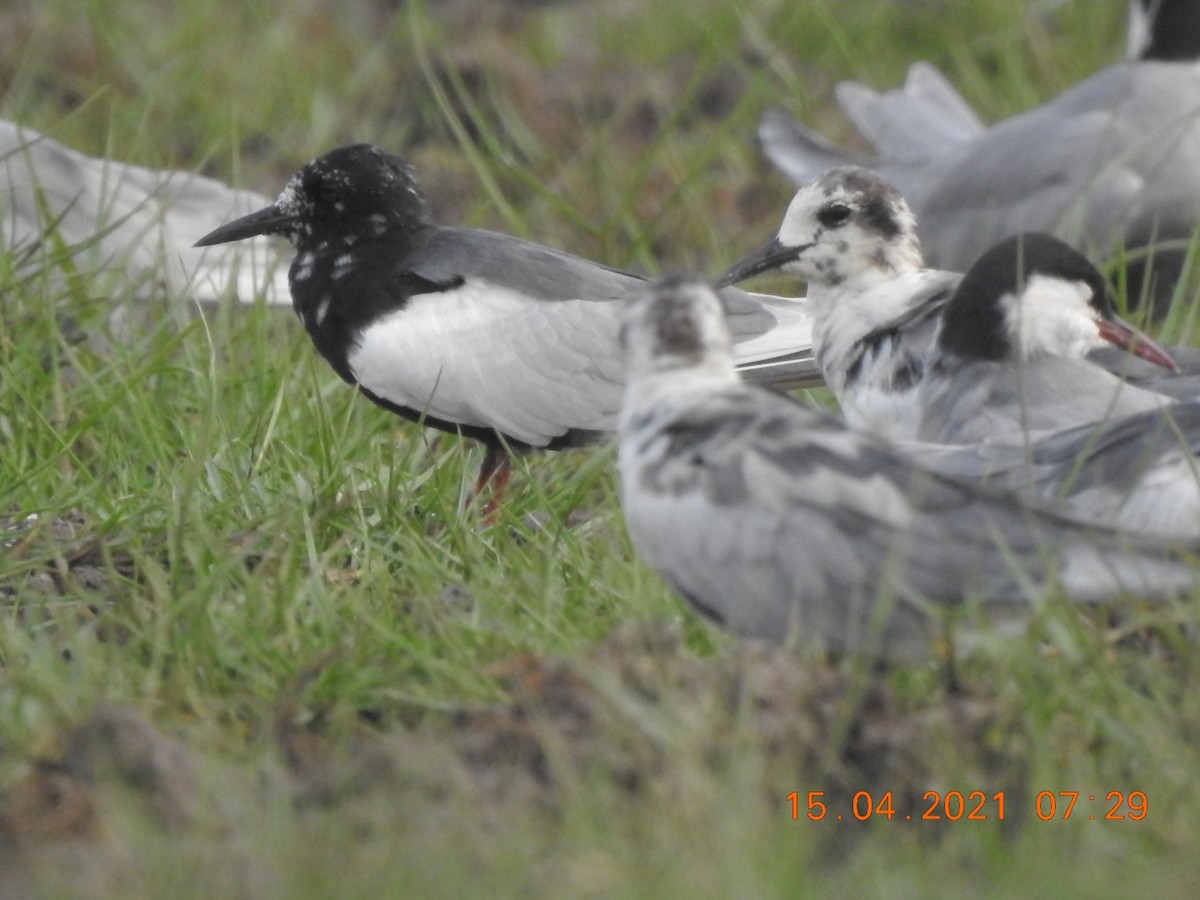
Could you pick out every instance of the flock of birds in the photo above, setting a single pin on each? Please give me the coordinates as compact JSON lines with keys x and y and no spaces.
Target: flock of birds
{"x":1111,"y":165}
{"x":1002,"y":429}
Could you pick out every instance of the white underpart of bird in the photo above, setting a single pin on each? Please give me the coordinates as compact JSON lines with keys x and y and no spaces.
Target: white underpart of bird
{"x":490,"y":386}
{"x":129,"y":228}
{"x":777,"y":521}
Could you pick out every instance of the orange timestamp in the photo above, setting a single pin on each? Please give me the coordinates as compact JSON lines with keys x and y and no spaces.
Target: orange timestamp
{"x":972,"y":806}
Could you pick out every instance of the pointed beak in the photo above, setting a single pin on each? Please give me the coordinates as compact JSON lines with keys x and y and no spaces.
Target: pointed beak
{"x":265,"y":221}
{"x":1119,"y":332}
{"x":765,"y":259}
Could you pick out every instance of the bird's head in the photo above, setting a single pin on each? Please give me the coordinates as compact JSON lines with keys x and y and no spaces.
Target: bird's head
{"x":677,"y":323}
{"x":849,"y":224}
{"x":348,"y":195}
{"x":1032,"y":295}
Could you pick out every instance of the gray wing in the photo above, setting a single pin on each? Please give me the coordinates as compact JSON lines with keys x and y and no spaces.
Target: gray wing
{"x":772,"y":335}
{"x":1117,"y":155}
{"x":770,"y":517}
{"x":908,"y":127}
{"x":915,"y":122}
{"x":446,"y":255}
{"x":799,"y":152}
{"x":1139,"y":472}
{"x":966,"y":402}
{"x":1114,"y":158}
{"x":772,"y":339}
{"x":133,"y":225}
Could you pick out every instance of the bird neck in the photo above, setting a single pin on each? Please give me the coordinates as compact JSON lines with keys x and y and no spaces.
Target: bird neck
{"x":679,"y":378}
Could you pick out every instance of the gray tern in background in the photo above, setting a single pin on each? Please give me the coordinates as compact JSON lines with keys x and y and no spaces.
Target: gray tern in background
{"x":126,"y":225}
{"x":1009,"y":358}
{"x":472,"y":332}
{"x":1112,"y":162}
{"x":773,"y":518}
{"x":876,"y":309}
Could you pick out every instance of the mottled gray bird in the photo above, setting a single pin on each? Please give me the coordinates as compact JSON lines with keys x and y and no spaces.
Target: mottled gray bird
{"x":1112,"y":162}
{"x":774,"y":519}
{"x":877,"y":309}
{"x":998,"y":365}
{"x":468,"y":331}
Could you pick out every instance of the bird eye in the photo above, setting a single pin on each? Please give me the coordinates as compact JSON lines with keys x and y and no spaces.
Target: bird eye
{"x":325,"y":191}
{"x":834,"y":214}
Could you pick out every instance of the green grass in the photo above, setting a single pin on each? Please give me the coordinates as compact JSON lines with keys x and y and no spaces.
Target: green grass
{"x":373,"y":695}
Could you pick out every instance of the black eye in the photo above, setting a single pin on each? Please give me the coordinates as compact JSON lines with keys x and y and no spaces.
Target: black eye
{"x":325,"y":192}
{"x":834,"y":214}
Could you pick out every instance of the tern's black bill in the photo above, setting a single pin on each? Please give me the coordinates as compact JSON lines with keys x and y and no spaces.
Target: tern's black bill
{"x":265,"y":221}
{"x":765,"y":259}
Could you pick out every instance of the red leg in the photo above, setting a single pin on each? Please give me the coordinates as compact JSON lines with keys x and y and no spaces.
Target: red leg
{"x":494,"y":472}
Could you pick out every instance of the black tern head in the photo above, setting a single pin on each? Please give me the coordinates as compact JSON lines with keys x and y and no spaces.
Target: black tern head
{"x":1164,"y":30}
{"x":347,"y":195}
{"x":847,"y":223}
{"x":1034,"y":295}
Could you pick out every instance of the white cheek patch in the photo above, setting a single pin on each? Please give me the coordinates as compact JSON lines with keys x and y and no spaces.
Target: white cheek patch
{"x":287,"y":200}
{"x":302,"y":268}
{"x":1051,"y":317}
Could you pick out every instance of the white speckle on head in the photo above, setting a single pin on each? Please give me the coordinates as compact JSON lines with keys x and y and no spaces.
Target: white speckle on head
{"x":289,"y":198}
{"x":302,"y":267}
{"x":322,"y":309}
{"x":376,"y":224}
{"x":1051,"y":317}
{"x":342,"y":265}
